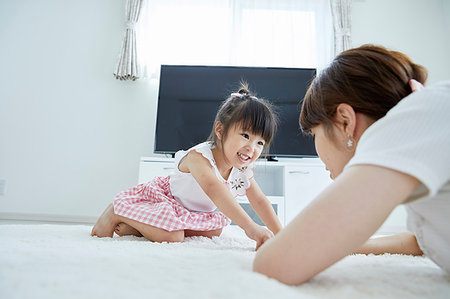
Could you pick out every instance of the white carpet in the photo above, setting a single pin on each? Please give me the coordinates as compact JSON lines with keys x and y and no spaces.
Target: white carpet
{"x":63,"y":261}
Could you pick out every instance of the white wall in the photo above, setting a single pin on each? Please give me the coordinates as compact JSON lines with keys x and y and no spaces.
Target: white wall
{"x":419,"y":28}
{"x":71,"y":135}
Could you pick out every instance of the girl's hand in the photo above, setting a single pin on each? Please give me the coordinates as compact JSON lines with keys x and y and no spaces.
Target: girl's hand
{"x":263,"y":207}
{"x":259,"y":234}
{"x":203,"y":173}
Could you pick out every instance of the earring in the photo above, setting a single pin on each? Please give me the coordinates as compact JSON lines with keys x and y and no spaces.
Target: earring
{"x":349,"y":142}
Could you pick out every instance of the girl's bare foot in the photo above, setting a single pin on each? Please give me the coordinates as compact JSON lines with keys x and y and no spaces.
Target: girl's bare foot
{"x":105,"y":224}
{"x":123,"y":229}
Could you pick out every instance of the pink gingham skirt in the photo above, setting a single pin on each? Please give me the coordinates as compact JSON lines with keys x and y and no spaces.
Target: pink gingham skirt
{"x":153,"y":204}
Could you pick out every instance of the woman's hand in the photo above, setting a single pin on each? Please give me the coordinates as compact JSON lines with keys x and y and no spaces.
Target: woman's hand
{"x":259,"y":234}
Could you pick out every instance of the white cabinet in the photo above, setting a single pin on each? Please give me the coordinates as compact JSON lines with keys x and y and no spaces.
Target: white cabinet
{"x":303,"y":183}
{"x":289,"y":184}
{"x":152,"y":167}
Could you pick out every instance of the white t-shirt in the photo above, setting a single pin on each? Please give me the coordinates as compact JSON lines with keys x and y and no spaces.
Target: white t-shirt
{"x":414,"y":138}
{"x":188,"y":192}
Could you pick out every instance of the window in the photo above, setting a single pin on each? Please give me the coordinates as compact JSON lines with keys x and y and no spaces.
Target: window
{"x":278,"y":33}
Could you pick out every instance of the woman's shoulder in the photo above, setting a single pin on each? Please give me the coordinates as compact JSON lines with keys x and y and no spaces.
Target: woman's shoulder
{"x":412,"y":137}
{"x":445,"y":85}
{"x":429,"y":106}
{"x":439,"y":89}
{"x":434,"y":97}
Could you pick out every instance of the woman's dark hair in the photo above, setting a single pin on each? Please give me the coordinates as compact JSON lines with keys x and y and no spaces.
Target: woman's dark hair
{"x":371,"y":79}
{"x":253,"y":114}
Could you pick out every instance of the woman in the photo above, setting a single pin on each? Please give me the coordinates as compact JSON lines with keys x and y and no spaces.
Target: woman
{"x":384,"y":147}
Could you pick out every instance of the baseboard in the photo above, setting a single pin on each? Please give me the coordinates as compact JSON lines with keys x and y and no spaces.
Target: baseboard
{"x":47,"y":218}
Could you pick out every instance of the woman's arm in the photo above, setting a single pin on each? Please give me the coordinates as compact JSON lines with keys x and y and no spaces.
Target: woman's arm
{"x":335,"y":224}
{"x":263,"y":207}
{"x":403,"y":243}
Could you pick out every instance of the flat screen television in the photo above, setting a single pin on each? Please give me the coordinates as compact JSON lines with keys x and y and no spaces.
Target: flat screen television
{"x":189,"y":97}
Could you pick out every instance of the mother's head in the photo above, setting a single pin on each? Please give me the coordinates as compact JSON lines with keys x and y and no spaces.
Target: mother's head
{"x":359,"y":87}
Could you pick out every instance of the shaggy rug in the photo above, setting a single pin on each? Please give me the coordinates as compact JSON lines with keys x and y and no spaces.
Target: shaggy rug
{"x":64,"y":261}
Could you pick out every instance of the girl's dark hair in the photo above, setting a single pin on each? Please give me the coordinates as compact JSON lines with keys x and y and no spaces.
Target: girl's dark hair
{"x":253,"y":114}
{"x":371,"y":79}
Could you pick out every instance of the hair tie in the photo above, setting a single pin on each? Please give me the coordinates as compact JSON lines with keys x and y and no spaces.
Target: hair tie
{"x":240,"y":95}
{"x":415,"y":85}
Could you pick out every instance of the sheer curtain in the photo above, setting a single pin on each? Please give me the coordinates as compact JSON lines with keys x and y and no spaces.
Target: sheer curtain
{"x":277,"y":33}
{"x":127,"y":66}
{"x":341,"y":11}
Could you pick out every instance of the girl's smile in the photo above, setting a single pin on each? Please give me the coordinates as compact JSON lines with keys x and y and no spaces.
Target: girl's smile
{"x":238,"y":148}
{"x":243,"y":157}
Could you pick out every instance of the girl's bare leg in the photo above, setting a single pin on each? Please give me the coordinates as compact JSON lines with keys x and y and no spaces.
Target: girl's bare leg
{"x":209,"y":234}
{"x":108,"y":221}
{"x":104,"y":227}
{"x":123,"y":229}
{"x":403,"y":243}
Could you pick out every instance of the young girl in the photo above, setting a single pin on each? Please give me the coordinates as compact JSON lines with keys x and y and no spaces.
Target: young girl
{"x":385,"y":143}
{"x":207,"y":176}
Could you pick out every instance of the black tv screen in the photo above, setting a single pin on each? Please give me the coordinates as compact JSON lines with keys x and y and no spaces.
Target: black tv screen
{"x":189,"y":97}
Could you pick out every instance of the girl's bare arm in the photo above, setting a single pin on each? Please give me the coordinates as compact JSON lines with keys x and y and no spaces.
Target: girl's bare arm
{"x":201,"y":170}
{"x":335,"y":224}
{"x":263,"y":207}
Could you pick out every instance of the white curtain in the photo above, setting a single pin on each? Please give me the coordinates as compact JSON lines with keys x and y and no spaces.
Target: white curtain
{"x":128,"y":66}
{"x":342,"y":21}
{"x":270,"y":33}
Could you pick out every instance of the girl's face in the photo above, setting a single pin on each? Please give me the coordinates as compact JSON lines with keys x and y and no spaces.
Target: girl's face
{"x":333,"y":152}
{"x":241,"y":147}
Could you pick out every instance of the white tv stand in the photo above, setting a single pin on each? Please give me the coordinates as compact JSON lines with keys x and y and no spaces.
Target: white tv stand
{"x":290,"y":184}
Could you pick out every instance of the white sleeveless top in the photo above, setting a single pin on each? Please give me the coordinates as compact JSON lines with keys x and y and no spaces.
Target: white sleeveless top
{"x":188,"y":192}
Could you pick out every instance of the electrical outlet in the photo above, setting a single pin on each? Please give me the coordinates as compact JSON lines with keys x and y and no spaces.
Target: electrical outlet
{"x":2,"y":186}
